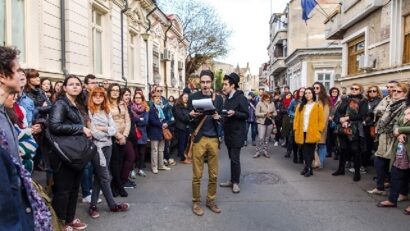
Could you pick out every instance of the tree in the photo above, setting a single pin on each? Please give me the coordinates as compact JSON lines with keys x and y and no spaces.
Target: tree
{"x":206,"y":33}
{"x":219,"y":76}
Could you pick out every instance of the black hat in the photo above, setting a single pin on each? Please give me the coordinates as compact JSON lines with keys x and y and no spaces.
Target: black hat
{"x":208,"y":73}
{"x":187,"y":91}
{"x":234,"y":77}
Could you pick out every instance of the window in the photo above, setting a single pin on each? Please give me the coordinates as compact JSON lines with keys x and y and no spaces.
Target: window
{"x":356,"y":50}
{"x":12,"y":26}
{"x":406,"y":51}
{"x":97,"y":37}
{"x":325,"y":79}
{"x":155,"y":57}
{"x":132,"y":57}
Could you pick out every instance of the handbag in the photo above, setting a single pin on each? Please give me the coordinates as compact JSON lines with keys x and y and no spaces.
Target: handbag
{"x":167,"y":134}
{"x":316,"y":161}
{"x":138,"y":133}
{"x":75,"y":151}
{"x":191,"y":139}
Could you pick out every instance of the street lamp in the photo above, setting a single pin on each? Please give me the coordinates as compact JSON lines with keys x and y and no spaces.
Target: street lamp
{"x":145,"y":37}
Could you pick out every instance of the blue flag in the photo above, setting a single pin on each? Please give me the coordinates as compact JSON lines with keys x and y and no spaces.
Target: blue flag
{"x":307,"y":7}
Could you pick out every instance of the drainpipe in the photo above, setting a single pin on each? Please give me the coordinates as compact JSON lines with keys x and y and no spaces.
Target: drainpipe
{"x":165,"y":66}
{"x":62,"y":40}
{"x":146,"y":31}
{"x":122,"y":41}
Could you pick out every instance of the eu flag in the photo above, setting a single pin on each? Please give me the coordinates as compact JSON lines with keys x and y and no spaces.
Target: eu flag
{"x":307,"y":7}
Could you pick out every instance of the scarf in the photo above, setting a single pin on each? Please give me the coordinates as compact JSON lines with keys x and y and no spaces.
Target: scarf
{"x":385,"y":123}
{"x":333,"y":100}
{"x":286,"y":102}
{"x":137,"y":110}
{"x":20,"y":116}
{"x":160,"y":112}
{"x":41,"y":214}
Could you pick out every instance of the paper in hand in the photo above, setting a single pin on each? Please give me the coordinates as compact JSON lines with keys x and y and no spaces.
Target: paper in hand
{"x":203,"y":105}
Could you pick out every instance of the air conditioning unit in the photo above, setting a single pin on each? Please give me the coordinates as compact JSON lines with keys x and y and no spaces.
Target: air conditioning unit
{"x":166,"y":56}
{"x":180,"y":65}
{"x":367,"y":62}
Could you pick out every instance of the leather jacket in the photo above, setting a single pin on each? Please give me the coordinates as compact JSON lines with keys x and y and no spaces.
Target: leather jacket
{"x":65,"y":119}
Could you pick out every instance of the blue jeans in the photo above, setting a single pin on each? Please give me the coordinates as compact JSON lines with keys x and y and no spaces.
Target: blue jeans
{"x":322,"y":150}
{"x":382,"y":170}
{"x":87,"y":180}
{"x":253,"y":130}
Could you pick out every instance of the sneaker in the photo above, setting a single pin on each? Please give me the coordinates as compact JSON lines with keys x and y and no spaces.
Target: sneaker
{"x":129,"y":184}
{"x":351,"y":170}
{"x":362,"y":170}
{"x":235,"y":188}
{"x":77,"y":224}
{"x":375,"y":191}
{"x":213,"y":206}
{"x":165,"y":162}
{"x":172,"y":162}
{"x":155,"y":171}
{"x":120,"y":207}
{"x":196,"y":209}
{"x":93,"y":212}
{"x":133,"y":175}
{"x":276,"y":144}
{"x":87,"y":199}
{"x":141,"y":173}
{"x":226,"y":184}
{"x":164,"y":168}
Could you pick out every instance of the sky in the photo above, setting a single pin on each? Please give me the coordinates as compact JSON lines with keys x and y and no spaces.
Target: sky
{"x":249,"y":22}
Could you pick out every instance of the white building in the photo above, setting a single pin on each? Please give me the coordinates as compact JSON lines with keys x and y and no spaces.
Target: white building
{"x":80,"y":37}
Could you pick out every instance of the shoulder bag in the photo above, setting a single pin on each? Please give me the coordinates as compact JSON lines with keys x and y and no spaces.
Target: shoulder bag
{"x":191,"y":138}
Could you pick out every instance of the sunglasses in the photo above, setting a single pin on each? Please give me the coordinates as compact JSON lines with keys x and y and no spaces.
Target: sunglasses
{"x":317,"y":88}
{"x":159,"y":91}
{"x":371,"y":91}
{"x":397,"y":91}
{"x":354,"y":89}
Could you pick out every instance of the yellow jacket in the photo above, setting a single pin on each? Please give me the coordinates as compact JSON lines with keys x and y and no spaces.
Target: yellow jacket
{"x":315,"y":127}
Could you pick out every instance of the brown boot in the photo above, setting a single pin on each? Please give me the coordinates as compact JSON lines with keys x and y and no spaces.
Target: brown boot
{"x":196,"y":209}
{"x":213,"y":207}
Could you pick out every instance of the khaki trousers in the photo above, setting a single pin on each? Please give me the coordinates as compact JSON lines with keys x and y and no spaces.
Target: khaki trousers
{"x":205,"y":146}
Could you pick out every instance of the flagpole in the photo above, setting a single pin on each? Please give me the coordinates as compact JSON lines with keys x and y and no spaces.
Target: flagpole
{"x":324,"y":13}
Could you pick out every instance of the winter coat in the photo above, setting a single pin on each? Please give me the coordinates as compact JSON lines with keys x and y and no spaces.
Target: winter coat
{"x":39,"y":98}
{"x":181,"y":114}
{"x":235,"y":126}
{"x":315,"y":128}
{"x":65,"y":119}
{"x":326,"y":112}
{"x":155,"y":125}
{"x":404,"y":128}
{"x":262,"y":109}
{"x":385,"y":129}
{"x":141,"y":122}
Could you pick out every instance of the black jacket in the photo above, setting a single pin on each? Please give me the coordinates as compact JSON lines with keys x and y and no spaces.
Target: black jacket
{"x":181,"y":115}
{"x":39,"y":97}
{"x":235,"y":126}
{"x":65,"y":119}
{"x":218,"y":103}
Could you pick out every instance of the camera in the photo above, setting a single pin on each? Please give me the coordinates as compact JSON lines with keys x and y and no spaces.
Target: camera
{"x":224,"y":112}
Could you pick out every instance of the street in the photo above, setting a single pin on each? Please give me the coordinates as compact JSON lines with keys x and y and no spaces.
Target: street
{"x":274,"y":196}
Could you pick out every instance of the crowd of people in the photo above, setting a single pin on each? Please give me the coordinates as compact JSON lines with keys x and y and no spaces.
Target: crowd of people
{"x":361,"y":129}
{"x":44,"y":125}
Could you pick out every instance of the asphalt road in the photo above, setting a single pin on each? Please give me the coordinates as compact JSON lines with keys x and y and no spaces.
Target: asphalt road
{"x":274,"y":196}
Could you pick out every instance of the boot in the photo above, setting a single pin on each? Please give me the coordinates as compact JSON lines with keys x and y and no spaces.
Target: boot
{"x":196,"y":209}
{"x":309,"y":172}
{"x":304,"y":171}
{"x":356,"y":176}
{"x":287,"y":155}
{"x":339,"y":172}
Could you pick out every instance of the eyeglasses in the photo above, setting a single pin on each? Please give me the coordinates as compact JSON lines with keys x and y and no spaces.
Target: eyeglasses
{"x":354,"y":89}
{"x":397,"y":91}
{"x":141,"y":97}
{"x":371,"y":91}
{"x":159,"y":91}
{"x":98,"y":95}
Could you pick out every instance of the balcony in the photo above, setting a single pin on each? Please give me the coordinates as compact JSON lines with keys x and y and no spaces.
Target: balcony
{"x":278,"y":65}
{"x":280,"y":36}
{"x":351,"y":12}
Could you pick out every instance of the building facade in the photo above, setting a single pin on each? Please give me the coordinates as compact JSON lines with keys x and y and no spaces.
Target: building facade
{"x":375,"y":36}
{"x":80,"y":37}
{"x":299,"y":53}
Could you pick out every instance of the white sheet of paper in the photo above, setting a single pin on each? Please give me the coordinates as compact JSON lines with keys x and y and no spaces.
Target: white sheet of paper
{"x":203,"y":104}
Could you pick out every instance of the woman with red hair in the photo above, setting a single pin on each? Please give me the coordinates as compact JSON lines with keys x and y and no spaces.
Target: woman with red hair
{"x":103,"y":129}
